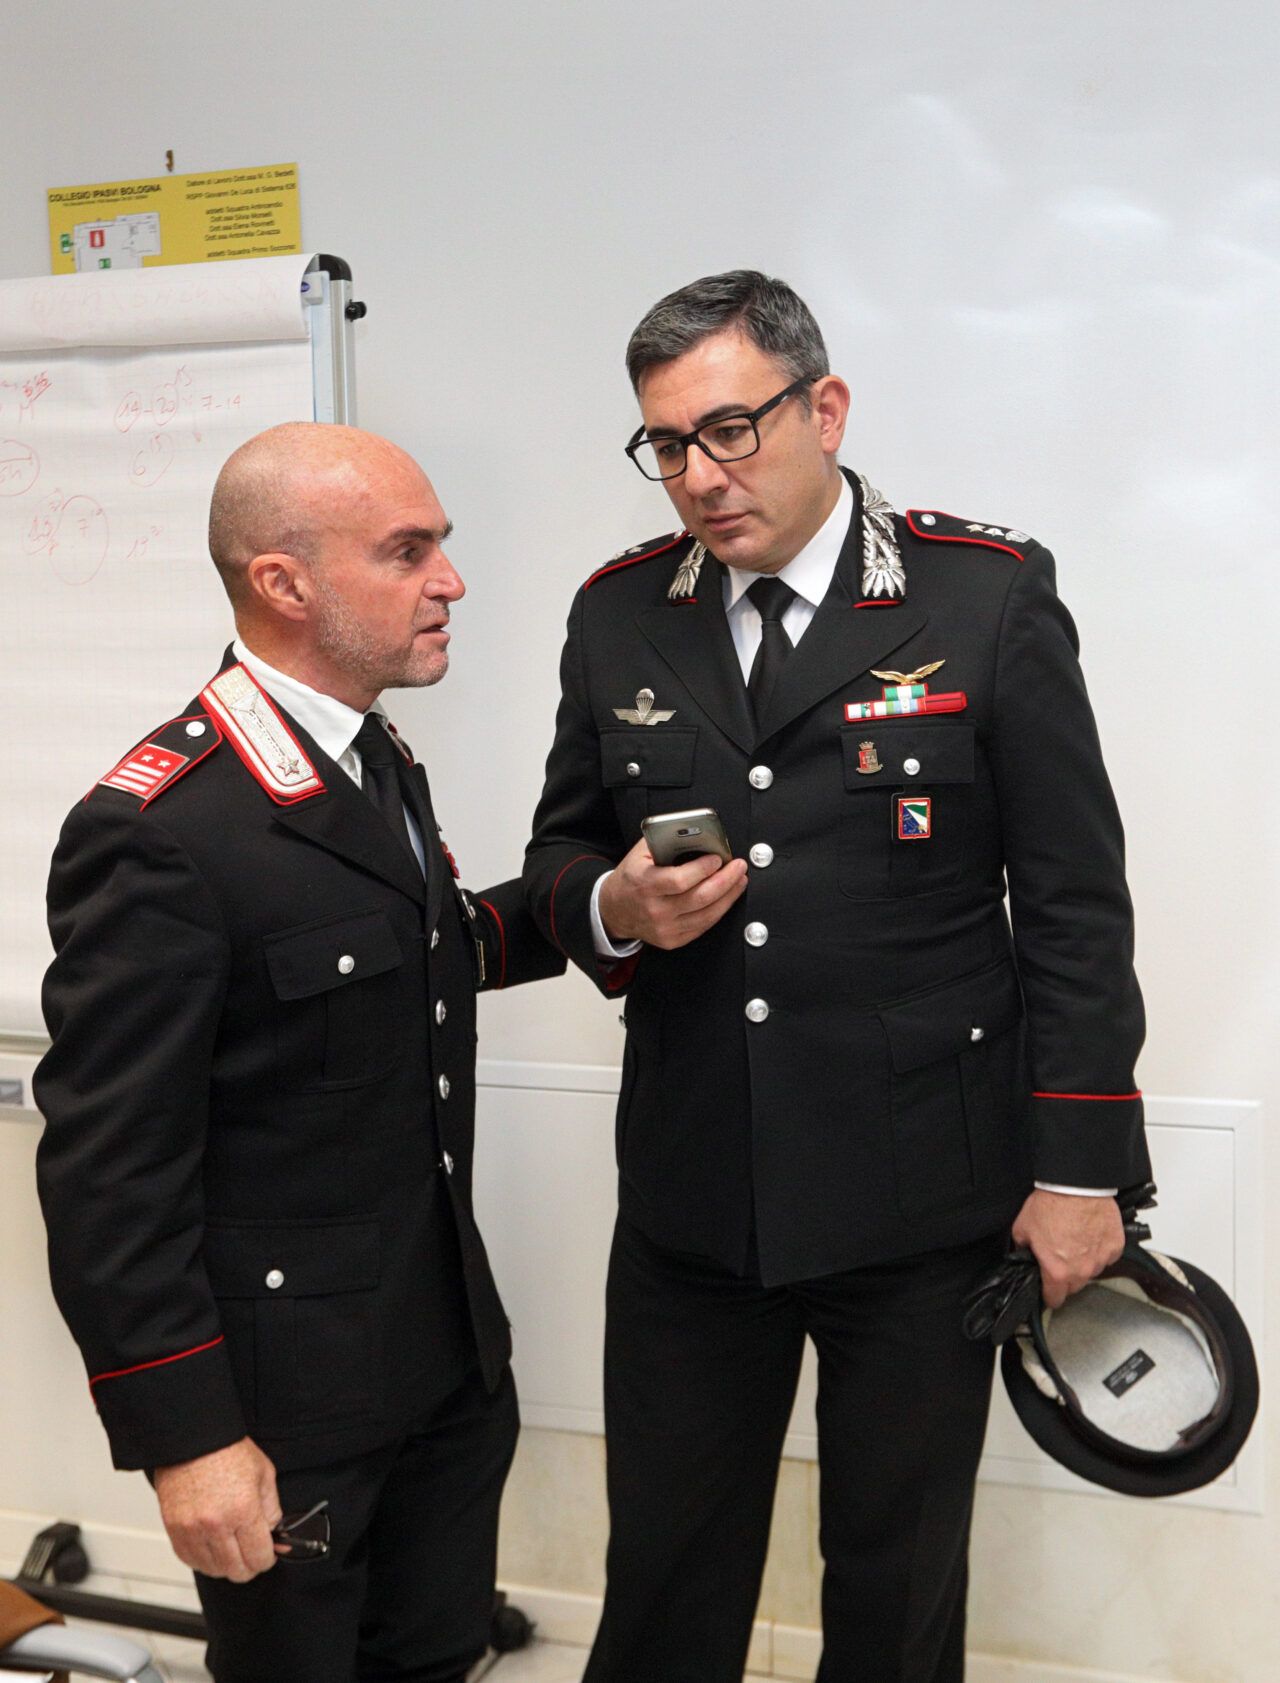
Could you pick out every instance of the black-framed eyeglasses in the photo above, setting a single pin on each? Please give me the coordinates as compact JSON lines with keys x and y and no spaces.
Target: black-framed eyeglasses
{"x":731,"y":438}
{"x":304,"y":1536}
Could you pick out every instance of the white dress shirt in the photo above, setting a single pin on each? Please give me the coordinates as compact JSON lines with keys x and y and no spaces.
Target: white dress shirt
{"x":330,"y":723}
{"x":809,"y":574}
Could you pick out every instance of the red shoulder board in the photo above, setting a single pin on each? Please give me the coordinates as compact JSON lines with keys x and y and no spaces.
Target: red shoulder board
{"x":638,"y":552}
{"x":950,"y":528}
{"x":165,"y":756}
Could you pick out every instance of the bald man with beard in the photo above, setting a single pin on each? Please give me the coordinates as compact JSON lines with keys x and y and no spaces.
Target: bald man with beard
{"x":256,"y":1165}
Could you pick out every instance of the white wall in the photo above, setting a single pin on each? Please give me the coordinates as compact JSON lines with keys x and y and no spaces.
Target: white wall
{"x":1044,"y":242}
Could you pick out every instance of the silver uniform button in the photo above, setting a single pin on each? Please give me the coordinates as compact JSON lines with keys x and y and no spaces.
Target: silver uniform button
{"x":195,"y":728}
{"x":274,"y":1280}
{"x":757,"y":934}
{"x":346,"y":964}
{"x":927,"y":520}
{"x":441,"y":1012}
{"x":757,"y":1010}
{"x":633,"y":770}
{"x":435,"y":939}
{"x":911,"y":767}
{"x":760,"y":777}
{"x":448,"y":1163}
{"x":977,"y":1034}
{"x":443,"y":1085}
{"x":761,"y":854}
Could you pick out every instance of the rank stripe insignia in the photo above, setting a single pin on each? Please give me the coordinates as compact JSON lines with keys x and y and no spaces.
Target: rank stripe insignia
{"x":924,"y":523}
{"x":260,"y":736}
{"x":903,"y":700}
{"x":150,"y":767}
{"x":641,"y":552}
{"x":915,"y":817}
{"x":145,"y":771}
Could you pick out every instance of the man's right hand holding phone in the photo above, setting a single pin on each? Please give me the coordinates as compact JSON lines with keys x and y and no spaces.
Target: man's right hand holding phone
{"x":668,"y":905}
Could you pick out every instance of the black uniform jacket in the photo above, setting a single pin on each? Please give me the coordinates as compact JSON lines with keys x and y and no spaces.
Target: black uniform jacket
{"x":905,"y":1068}
{"x":256,"y":1167}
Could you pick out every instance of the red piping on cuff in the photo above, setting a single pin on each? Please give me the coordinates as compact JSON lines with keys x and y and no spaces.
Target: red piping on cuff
{"x":619,"y":972}
{"x":555,"y":885}
{"x":502,"y":948}
{"x":1106,"y":1098}
{"x":160,"y":1361}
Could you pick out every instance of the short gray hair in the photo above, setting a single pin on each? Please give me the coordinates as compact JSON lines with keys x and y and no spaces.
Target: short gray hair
{"x":775,"y":319}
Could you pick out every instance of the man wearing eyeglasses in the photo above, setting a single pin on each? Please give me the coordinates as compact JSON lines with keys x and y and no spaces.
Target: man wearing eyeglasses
{"x":846,"y":1079}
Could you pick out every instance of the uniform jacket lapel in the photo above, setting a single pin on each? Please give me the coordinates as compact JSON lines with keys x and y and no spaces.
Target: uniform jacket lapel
{"x":844,"y":638}
{"x":345,"y":822}
{"x":418,"y":794}
{"x":693,"y":637}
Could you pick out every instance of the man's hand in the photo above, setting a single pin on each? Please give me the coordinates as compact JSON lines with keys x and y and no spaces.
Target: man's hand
{"x":668,"y":905}
{"x":219,"y":1510}
{"x":1074,"y":1238}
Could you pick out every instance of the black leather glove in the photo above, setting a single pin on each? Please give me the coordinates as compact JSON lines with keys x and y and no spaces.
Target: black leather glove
{"x":1000,"y":1303}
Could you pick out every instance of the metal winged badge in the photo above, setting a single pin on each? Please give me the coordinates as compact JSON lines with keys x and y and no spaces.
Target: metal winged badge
{"x":916,"y":677}
{"x":644,"y":712}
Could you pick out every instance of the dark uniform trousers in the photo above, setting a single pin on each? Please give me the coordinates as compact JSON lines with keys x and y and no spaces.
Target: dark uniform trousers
{"x":700,"y":1377}
{"x":408,"y":1584}
{"x":256,"y":1175}
{"x":835,"y":1100}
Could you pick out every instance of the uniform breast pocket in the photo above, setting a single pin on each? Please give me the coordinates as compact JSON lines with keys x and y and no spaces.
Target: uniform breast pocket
{"x":337,"y":984}
{"x":910,"y":790}
{"x":645,"y":768}
{"x":298,"y":1307}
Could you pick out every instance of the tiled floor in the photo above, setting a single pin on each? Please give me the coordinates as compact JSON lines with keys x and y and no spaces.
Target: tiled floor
{"x":182,"y":1661}
{"x":544,"y":1662}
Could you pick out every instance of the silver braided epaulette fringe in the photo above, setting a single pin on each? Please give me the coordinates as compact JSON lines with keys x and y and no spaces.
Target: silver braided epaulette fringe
{"x":882,"y":570}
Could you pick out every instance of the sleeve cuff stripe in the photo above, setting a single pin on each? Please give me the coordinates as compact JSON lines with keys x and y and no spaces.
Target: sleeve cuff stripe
{"x":556,"y":884}
{"x":1106,"y":1098}
{"x":161,"y":1361}
{"x":502,"y":943}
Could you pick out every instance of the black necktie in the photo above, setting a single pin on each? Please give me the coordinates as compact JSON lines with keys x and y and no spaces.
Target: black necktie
{"x":772,"y":597}
{"x":378,"y":756}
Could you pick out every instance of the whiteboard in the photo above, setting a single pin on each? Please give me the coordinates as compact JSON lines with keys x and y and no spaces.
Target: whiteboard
{"x":120,"y":397}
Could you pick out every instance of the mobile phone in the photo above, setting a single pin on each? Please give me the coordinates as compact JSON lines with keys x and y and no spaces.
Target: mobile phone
{"x":676,"y":837}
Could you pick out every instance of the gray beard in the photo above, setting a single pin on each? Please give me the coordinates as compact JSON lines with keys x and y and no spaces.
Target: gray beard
{"x":343,"y":639}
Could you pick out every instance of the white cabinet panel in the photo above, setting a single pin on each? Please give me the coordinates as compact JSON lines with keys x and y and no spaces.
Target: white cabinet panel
{"x":545,"y":1189}
{"x":545,"y":1195}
